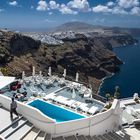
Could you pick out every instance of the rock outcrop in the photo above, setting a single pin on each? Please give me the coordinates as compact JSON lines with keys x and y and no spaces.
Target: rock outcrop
{"x":91,"y":57}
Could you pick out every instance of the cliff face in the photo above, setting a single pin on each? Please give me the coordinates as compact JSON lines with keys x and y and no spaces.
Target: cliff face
{"x":91,"y":57}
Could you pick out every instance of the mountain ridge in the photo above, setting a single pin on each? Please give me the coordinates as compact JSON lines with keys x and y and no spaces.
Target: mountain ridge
{"x":83,"y":26}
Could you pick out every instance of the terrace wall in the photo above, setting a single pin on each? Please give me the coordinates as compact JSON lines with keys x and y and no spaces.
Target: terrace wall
{"x":33,"y":115}
{"x":98,"y":124}
{"x":95,"y":125}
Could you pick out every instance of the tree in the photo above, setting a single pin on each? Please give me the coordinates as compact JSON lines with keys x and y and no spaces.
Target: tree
{"x":107,"y":95}
{"x":117,"y":92}
{"x":4,"y":71}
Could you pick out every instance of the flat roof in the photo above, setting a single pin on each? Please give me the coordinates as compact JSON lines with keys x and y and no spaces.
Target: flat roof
{"x":5,"y":80}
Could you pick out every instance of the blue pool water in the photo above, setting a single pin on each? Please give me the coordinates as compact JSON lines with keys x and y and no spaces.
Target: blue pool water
{"x":128,"y":78}
{"x":55,"y":112}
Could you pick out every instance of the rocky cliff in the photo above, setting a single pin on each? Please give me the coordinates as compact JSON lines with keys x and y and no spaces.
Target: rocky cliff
{"x":91,"y":57}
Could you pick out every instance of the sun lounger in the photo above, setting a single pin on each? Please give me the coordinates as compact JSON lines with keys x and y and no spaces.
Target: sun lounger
{"x":87,"y":95}
{"x":50,"y":96}
{"x":83,"y":107}
{"x":70,"y":102}
{"x":61,"y":100}
{"x":76,"y":104}
{"x":93,"y":109}
{"x":136,"y":121}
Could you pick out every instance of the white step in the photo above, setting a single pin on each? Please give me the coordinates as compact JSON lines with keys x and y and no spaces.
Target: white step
{"x":89,"y":137}
{"x":32,"y":134}
{"x":58,"y":138}
{"x":11,"y":124}
{"x":13,"y":127}
{"x":20,"y":132}
{"x":41,"y":136}
{"x":81,"y":137}
{"x":70,"y":138}
{"x":48,"y":137}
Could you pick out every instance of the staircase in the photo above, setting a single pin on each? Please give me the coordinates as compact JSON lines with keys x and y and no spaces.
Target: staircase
{"x":22,"y":129}
{"x":108,"y":136}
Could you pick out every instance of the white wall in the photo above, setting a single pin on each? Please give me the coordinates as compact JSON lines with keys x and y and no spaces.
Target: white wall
{"x":95,"y":125}
{"x":33,"y":115}
{"x":98,"y":124}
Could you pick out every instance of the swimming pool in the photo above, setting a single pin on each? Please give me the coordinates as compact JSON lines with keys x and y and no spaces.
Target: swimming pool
{"x":57,"y":113}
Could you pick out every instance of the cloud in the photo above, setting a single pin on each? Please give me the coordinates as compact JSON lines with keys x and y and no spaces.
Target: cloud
{"x":32,"y":7}
{"x":101,"y":9}
{"x":128,"y":3}
{"x":64,"y":9}
{"x":1,"y":10}
{"x":79,"y":4}
{"x":42,"y":5}
{"x":135,"y":11}
{"x":49,"y":21}
{"x":119,"y":10}
{"x":73,"y":7}
{"x":110,"y":3}
{"x":121,"y":7}
{"x":53,"y":5}
{"x":13,"y":3}
{"x":50,"y":13}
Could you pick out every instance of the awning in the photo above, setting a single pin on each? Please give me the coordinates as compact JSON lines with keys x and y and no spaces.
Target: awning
{"x":5,"y":80}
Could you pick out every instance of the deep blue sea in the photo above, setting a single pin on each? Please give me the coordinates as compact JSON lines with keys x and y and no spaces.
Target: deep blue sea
{"x":128,"y":78}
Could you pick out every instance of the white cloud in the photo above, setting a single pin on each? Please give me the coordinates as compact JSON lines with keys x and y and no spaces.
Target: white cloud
{"x":110,"y":3}
{"x":32,"y":7}
{"x":42,"y":5}
{"x":49,"y":21}
{"x":53,"y":5}
{"x":13,"y":3}
{"x":50,"y":13}
{"x":119,"y":10}
{"x":122,"y":7}
{"x":1,"y":10}
{"x":135,"y":11}
{"x":79,"y":4}
{"x":64,"y":9}
{"x":101,"y":9}
{"x":128,"y":3}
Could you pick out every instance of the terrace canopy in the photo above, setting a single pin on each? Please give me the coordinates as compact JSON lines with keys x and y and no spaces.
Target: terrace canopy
{"x":5,"y":80}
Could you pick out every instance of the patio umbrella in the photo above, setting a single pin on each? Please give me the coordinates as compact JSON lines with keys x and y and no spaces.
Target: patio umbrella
{"x":50,"y":71}
{"x":77,"y":77}
{"x":136,"y":96}
{"x":33,"y":71}
{"x":73,"y":93}
{"x":23,"y":75}
{"x":40,"y":74}
{"x":64,"y":74}
{"x":91,"y":90}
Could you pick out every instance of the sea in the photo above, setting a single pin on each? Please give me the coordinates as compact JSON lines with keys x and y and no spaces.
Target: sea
{"x":128,"y":78}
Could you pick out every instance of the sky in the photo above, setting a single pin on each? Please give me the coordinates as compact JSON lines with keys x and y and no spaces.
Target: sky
{"x":37,"y":14}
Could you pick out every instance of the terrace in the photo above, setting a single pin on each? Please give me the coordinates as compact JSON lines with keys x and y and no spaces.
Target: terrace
{"x":130,"y":113}
{"x":57,"y":95}
{"x":56,"y":90}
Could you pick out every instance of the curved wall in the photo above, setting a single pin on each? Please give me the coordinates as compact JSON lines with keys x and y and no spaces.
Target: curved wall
{"x":95,"y":125}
